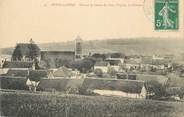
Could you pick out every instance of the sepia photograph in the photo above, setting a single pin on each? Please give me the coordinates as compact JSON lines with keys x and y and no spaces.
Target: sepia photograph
{"x":91,"y":58}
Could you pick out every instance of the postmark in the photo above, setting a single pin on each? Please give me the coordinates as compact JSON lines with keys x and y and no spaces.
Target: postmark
{"x":166,"y":14}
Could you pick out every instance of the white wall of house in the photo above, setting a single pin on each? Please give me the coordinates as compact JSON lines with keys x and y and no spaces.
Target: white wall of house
{"x":103,"y":68}
{"x":141,"y":95}
{"x":115,"y":67}
{"x":128,"y":66}
{"x":3,"y":70}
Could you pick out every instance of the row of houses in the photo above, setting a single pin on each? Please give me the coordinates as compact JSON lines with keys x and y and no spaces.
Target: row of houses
{"x":24,"y":69}
{"x":23,"y":65}
{"x":125,"y":88}
{"x":139,"y":64}
{"x":132,"y":86}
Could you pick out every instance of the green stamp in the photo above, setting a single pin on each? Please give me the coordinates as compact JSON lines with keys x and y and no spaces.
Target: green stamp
{"x":166,"y":14}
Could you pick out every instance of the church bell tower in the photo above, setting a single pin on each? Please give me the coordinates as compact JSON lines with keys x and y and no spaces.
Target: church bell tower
{"x":78,"y":48}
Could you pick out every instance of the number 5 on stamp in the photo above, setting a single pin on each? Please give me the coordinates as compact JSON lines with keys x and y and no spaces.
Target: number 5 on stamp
{"x":166,"y":14}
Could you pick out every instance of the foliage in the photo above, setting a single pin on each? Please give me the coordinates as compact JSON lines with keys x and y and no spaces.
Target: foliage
{"x":117,"y":55}
{"x":156,"y":88}
{"x":111,"y":71}
{"x":34,"y":51}
{"x":175,"y":91}
{"x":17,"y":53}
{"x":83,"y":65}
{"x":62,"y":62}
{"x":98,"y":72}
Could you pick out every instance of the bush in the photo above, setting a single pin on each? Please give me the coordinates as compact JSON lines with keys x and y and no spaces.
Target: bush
{"x":156,"y":88}
{"x":98,"y":72}
{"x":84,"y":65}
{"x":111,"y":71}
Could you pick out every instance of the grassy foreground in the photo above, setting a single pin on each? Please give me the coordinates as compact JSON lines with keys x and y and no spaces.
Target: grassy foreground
{"x":24,"y":104}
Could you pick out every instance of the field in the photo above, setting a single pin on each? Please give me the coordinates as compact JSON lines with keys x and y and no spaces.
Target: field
{"x":41,"y":104}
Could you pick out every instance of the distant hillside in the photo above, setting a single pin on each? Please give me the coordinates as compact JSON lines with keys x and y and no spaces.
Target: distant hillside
{"x":127,"y":46}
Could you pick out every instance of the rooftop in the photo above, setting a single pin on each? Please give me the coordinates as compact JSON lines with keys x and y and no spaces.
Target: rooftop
{"x":101,"y":63}
{"x":17,"y":64}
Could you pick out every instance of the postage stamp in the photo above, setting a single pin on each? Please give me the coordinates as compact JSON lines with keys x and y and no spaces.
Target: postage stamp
{"x":166,"y":14}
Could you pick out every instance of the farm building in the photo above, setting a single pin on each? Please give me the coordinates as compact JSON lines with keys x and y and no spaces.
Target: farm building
{"x":126,"y":76}
{"x":17,"y":73}
{"x":17,"y":65}
{"x":115,"y":63}
{"x":132,"y":63}
{"x":111,"y":87}
{"x":62,"y":72}
{"x":163,"y":80}
{"x":17,"y":79}
{"x":36,"y":75}
{"x":95,"y":86}
{"x":103,"y":65}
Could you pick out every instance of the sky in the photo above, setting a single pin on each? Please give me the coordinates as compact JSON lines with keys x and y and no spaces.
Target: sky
{"x":62,"y":20}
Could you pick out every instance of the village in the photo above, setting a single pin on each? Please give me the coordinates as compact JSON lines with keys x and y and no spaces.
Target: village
{"x":109,"y":74}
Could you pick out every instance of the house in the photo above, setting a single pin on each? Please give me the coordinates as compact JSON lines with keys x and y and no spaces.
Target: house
{"x":112,"y":87}
{"x":62,"y":72}
{"x":17,"y":65}
{"x":32,"y":85}
{"x":17,"y":73}
{"x":115,"y":63}
{"x":34,"y":77}
{"x":158,"y":63}
{"x":3,"y":58}
{"x":132,"y":64}
{"x":174,"y":91}
{"x":162,"y":63}
{"x":146,"y":63}
{"x":56,"y":59}
{"x":26,"y":52}
{"x":129,"y":76}
{"x":103,"y":65}
{"x":163,"y":80}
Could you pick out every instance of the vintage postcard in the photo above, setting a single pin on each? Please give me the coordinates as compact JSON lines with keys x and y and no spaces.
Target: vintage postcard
{"x":91,"y":58}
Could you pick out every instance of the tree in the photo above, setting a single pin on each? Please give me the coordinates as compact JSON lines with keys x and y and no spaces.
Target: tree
{"x":111,"y":71}
{"x":61,"y":62}
{"x":17,"y":55}
{"x":155,"y":88}
{"x":34,"y":51}
{"x":98,"y":72}
{"x":117,"y":55}
{"x":97,"y":56}
{"x":84,"y":65}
